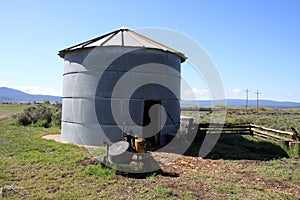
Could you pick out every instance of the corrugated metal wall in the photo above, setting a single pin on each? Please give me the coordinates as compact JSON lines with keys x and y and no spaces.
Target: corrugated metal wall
{"x":105,"y":86}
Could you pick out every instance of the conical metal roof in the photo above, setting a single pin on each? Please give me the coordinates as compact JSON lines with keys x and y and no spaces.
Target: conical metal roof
{"x":122,"y":37}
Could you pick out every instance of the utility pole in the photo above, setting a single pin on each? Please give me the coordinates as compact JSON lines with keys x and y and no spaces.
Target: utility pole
{"x":247,"y":91}
{"x":257,"y":93}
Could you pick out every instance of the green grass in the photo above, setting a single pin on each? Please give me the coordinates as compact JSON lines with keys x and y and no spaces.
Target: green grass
{"x":12,"y":108}
{"x":153,"y":177}
{"x":188,"y":196}
{"x":284,"y":170}
{"x":42,"y":166}
{"x":271,"y":118}
{"x":236,"y":147}
{"x":49,"y":170}
{"x":242,"y":179}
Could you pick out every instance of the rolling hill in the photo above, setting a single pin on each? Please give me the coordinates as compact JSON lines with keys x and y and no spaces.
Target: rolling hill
{"x":242,"y":102}
{"x":8,"y":95}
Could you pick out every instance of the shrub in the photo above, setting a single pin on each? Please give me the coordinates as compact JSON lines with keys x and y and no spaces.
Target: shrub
{"x":56,"y":117}
{"x":42,"y":123}
{"x":23,"y":119}
{"x":265,"y":109}
{"x":40,"y":115}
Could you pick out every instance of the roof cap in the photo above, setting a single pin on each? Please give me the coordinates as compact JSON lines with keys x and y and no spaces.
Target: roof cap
{"x":122,"y":37}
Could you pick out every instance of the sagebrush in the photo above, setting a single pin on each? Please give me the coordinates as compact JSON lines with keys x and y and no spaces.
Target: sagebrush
{"x":40,"y":115}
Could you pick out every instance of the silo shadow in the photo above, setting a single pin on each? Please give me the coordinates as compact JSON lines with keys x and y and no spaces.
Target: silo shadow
{"x":239,"y":147}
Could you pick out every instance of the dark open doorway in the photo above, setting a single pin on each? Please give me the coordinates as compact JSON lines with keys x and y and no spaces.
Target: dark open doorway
{"x":148,"y":133}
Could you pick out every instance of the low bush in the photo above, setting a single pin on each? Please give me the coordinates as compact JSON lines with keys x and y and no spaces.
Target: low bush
{"x":40,"y":115}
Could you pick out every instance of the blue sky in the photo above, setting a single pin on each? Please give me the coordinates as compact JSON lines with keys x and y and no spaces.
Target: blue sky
{"x":254,"y":44}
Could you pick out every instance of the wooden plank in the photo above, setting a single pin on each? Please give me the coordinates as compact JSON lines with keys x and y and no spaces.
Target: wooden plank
{"x":217,"y":124}
{"x":262,"y":136}
{"x":230,"y":132}
{"x":270,"y":135}
{"x":226,"y":128}
{"x":218,"y":127}
{"x":272,"y":130}
{"x":201,"y":109}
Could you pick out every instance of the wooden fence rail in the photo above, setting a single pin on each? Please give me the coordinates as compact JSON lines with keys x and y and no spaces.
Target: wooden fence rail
{"x":226,"y":128}
{"x":278,"y":135}
{"x":246,"y":129}
{"x":283,"y":133}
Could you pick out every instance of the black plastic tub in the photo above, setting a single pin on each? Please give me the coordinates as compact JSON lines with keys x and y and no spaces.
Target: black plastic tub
{"x":119,"y":153}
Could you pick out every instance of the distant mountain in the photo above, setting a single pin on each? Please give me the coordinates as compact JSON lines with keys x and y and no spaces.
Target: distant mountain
{"x":242,"y":102}
{"x":9,"y":95}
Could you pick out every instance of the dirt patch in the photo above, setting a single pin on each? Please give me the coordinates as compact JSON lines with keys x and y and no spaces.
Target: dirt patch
{"x":213,"y":179}
{"x":6,"y":114}
{"x":220,"y":172}
{"x":52,"y":189}
{"x":179,"y":176}
{"x":197,"y":178}
{"x":89,"y":161}
{"x":190,"y":165}
{"x":55,"y":137}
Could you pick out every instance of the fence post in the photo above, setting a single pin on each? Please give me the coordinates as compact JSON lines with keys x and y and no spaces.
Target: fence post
{"x":190,"y":126}
{"x":251,"y":131}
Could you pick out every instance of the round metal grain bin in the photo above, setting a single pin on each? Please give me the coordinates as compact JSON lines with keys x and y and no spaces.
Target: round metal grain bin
{"x":121,"y":77}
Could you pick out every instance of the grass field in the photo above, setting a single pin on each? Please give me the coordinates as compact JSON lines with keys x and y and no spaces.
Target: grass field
{"x":46,"y":169}
{"x":239,"y":167}
{"x":272,"y":118}
{"x":8,"y":109}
